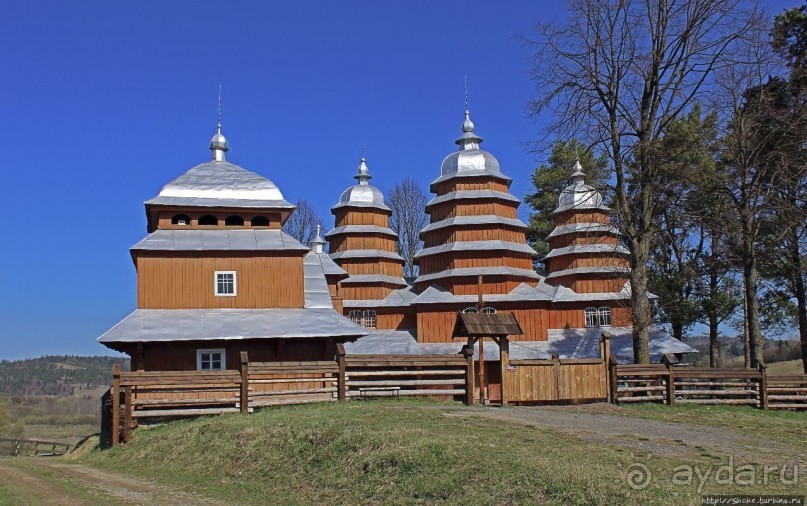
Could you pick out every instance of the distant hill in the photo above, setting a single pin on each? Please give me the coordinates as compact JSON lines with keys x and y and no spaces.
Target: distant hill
{"x":62,"y":375}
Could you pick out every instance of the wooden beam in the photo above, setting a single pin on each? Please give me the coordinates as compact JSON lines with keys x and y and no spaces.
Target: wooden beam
{"x":504,"y":361}
{"x":341,"y":383}
{"x":244,"y":382}
{"x":763,"y":386}
{"x":127,"y":414}
{"x":115,"y":404}
{"x":468,"y":352}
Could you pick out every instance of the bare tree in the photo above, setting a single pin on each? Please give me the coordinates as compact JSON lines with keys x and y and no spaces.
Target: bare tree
{"x":302,"y":225}
{"x":408,"y":203}
{"x":617,"y":74}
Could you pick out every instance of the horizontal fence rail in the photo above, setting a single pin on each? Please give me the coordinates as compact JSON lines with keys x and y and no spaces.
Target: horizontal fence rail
{"x":405,"y":375}
{"x":631,"y":383}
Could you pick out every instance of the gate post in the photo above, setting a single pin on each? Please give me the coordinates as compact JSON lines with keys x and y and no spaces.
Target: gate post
{"x":670,"y":379}
{"x":244,"y":382}
{"x":468,"y":353}
{"x":763,"y":386}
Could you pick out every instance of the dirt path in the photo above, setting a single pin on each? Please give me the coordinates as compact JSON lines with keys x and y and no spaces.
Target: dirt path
{"x":672,"y":439}
{"x":46,"y":481}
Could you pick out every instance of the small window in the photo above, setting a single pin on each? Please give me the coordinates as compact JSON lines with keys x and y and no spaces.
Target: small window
{"x":365,"y":318}
{"x":208,"y":219}
{"x":234,"y":221}
{"x":591,"y":317}
{"x":225,"y":283}
{"x":604,"y":316}
{"x":260,"y":221}
{"x":211,"y":360}
{"x":470,"y":310}
{"x":181,"y":219}
{"x":489,"y":310}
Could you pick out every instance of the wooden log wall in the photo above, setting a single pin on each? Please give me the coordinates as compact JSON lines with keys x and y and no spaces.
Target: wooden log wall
{"x":360,"y":216}
{"x":166,"y":215}
{"x":473,"y":207}
{"x":187,"y":281}
{"x":471,"y":183}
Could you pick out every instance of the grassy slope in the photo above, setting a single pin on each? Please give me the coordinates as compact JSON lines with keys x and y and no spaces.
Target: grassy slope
{"x":389,"y":452}
{"x":788,"y":367}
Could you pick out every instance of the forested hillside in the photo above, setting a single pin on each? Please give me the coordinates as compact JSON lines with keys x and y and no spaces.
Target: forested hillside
{"x":56,"y":374}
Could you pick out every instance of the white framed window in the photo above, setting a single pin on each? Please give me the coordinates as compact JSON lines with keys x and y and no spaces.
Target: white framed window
{"x":591,"y":317}
{"x":225,"y":284}
{"x":211,"y":360}
{"x":604,"y":316}
{"x":365,"y":318}
{"x":489,"y":310}
{"x":470,"y":310}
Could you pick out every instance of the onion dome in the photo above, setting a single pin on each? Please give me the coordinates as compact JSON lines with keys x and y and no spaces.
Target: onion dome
{"x":469,"y":161}
{"x":579,"y":195}
{"x":362,"y":194}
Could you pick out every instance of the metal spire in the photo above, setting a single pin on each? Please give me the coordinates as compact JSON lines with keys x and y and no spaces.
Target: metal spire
{"x":218,"y":144}
{"x":578,"y":175}
{"x":364,"y":173}
{"x":468,"y":140}
{"x":317,"y":243}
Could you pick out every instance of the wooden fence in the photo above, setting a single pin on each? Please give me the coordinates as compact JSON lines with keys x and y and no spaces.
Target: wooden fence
{"x":694,"y":385}
{"x":16,"y":447}
{"x":278,"y":383}
{"x":396,"y":375}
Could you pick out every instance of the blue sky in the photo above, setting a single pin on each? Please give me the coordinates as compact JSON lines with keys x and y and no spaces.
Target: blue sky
{"x":105,"y":102}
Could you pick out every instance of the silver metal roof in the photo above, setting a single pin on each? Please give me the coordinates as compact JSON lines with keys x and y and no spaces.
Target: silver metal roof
{"x":361,"y":229}
{"x":566,"y":343}
{"x":402,"y":297}
{"x":366,"y":253}
{"x":362,"y":194}
{"x":356,"y":279}
{"x":221,"y":184}
{"x":579,"y":195}
{"x":163,"y":325}
{"x":589,"y":270}
{"x":485,"y":219}
{"x":523,"y":293}
{"x":472,"y":194}
{"x":587,"y":248}
{"x":315,"y":285}
{"x":476,"y":271}
{"x":492,"y":245}
{"x":219,"y":240}
{"x":583,"y":228}
{"x":328,"y":266}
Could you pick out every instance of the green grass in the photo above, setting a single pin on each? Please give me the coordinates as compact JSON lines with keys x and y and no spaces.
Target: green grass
{"x":786,"y":426}
{"x":787,"y":367}
{"x":403,"y":452}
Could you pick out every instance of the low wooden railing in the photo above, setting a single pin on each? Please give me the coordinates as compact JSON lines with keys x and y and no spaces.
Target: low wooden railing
{"x":278,"y":383}
{"x":19,"y":447}
{"x":399,"y":375}
{"x":632,"y":383}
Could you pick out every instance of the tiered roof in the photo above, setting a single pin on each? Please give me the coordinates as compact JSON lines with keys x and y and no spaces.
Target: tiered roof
{"x":362,"y":242}
{"x":586,"y":254}
{"x":474,"y":227}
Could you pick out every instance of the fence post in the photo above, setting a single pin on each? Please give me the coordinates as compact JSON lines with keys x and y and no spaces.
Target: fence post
{"x":244,"y":382}
{"x":666,"y":360}
{"x":763,"y":386}
{"x":341,"y":382}
{"x":127,"y":414}
{"x":504,"y":361}
{"x":556,"y":368}
{"x":605,"y":355}
{"x":614,"y":380}
{"x":115,"y":404}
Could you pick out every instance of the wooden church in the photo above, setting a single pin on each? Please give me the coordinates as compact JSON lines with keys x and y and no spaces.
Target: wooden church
{"x":216,"y":275}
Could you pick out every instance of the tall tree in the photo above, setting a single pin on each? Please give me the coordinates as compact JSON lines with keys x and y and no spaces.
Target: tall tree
{"x":408,"y":203}
{"x":749,"y":159}
{"x":302,"y":224}
{"x":686,"y":159}
{"x":785,"y":243}
{"x":618,"y":72}
{"x":554,"y":175}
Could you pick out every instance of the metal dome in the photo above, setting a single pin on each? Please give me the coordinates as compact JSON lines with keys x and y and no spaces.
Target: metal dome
{"x":362,"y":194}
{"x":579,"y":195}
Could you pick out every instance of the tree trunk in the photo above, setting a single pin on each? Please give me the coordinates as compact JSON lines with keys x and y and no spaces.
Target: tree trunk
{"x":801,"y":296}
{"x":714,"y":343}
{"x":755,"y":340}
{"x":640,"y":304}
